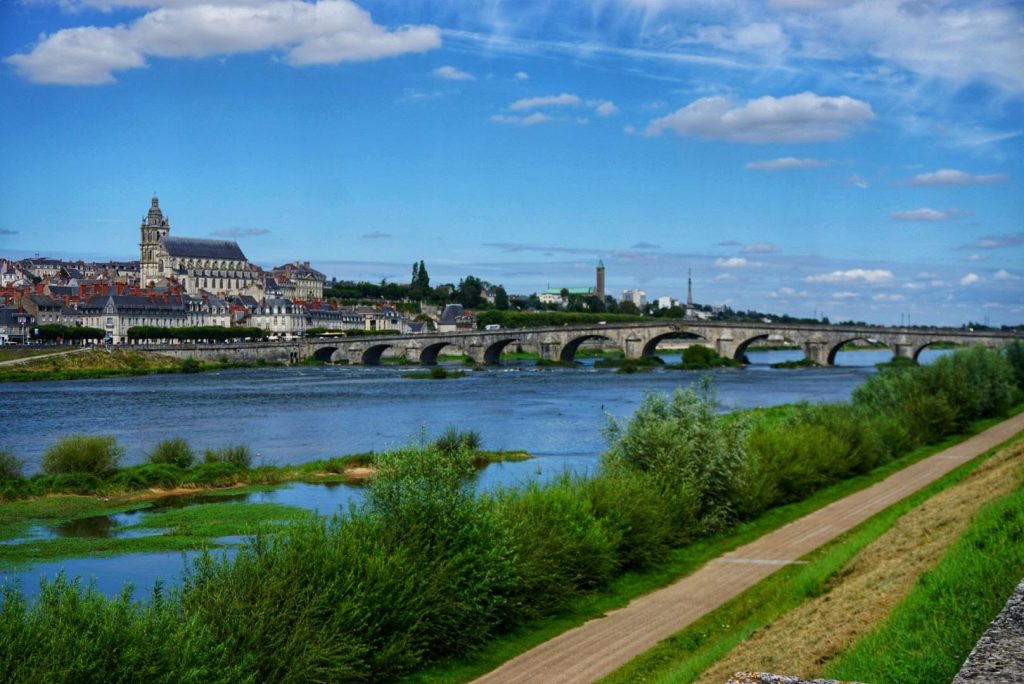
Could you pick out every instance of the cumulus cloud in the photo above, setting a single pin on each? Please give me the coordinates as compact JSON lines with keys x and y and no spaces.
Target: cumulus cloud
{"x":761,"y":248}
{"x":970,"y":279}
{"x":731,"y":262}
{"x":603,"y":108}
{"x":240,"y":232}
{"x":531,"y":120}
{"x":925,"y":214}
{"x":852,"y":275}
{"x":785,"y":163}
{"x":883,"y":297}
{"x":562,"y":100}
{"x":522,"y":76}
{"x":996,"y":241}
{"x":805,"y":117}
{"x":724,"y":276}
{"x":857,"y":181}
{"x":376,"y":235}
{"x":844,"y":295}
{"x":322,"y":32}
{"x":450,"y":73}
{"x":977,"y":257}
{"x":954,"y":177}
{"x":1003,"y":274}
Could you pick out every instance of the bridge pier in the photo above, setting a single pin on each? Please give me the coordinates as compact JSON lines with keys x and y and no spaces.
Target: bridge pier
{"x":904,"y":350}
{"x":412,"y":354}
{"x":817,"y":351}
{"x":725,"y":346}
{"x":550,"y":351}
{"x":354,"y":355}
{"x":476,"y":352}
{"x":633,"y":347}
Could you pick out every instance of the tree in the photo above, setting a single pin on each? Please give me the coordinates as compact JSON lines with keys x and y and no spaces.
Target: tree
{"x":415,"y":275}
{"x":422,"y":277}
{"x":500,"y":298}
{"x":468,"y":292}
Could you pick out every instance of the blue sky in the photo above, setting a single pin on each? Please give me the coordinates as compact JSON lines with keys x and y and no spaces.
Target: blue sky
{"x":854,"y":158}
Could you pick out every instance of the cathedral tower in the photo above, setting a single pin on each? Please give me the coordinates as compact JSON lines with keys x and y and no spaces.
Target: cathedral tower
{"x":599,"y":290}
{"x":154,"y":229}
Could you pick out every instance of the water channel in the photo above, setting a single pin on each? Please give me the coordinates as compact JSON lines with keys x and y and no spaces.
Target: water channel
{"x":291,"y":415}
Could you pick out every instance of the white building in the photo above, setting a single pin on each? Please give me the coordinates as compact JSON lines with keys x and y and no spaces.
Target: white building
{"x":637,"y":297}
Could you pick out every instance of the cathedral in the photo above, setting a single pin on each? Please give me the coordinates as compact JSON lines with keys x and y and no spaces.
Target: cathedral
{"x":215,"y":266}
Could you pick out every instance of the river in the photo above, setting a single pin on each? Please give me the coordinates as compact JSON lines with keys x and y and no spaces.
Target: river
{"x":291,"y":415}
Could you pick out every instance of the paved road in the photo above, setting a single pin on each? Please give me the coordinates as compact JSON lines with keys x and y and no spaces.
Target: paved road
{"x":598,"y":647}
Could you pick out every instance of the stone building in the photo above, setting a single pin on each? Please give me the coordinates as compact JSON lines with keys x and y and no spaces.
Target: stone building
{"x":299,"y":281}
{"x":216,"y":266}
{"x":117,"y":314}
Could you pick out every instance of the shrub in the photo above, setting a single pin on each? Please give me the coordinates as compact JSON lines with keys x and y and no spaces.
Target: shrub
{"x":11,"y":467}
{"x":94,"y":454}
{"x":238,"y":455}
{"x":1014,"y":354}
{"x":452,"y":440}
{"x":174,"y":451}
{"x":149,"y":475}
{"x":684,"y":445}
{"x":190,"y":365}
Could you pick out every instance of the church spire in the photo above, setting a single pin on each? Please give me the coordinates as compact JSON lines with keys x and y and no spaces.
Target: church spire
{"x":689,"y":287}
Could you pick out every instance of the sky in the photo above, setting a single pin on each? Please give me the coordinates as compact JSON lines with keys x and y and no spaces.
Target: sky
{"x":856,"y":159}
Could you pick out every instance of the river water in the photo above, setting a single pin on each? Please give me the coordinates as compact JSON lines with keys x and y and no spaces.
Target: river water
{"x":291,"y":415}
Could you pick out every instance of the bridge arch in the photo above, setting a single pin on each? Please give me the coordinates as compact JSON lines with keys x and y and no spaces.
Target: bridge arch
{"x":836,"y":348}
{"x":324,"y":354}
{"x":651,"y":345}
{"x":492,"y":353}
{"x":429,"y":353}
{"x":371,"y":355}
{"x":569,"y":349}
{"x":743,"y":347}
{"x":917,"y":350}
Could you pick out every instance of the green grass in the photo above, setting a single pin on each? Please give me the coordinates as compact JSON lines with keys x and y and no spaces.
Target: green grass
{"x":192,"y":527}
{"x":15,"y":353}
{"x":930,"y":633}
{"x":802,"y":363}
{"x":686,"y":655}
{"x":681,"y":562}
{"x":435,"y":373}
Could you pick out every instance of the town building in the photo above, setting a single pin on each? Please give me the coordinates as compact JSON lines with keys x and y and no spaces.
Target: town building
{"x":637,"y":297}
{"x":216,"y":266}
{"x":298,"y":281}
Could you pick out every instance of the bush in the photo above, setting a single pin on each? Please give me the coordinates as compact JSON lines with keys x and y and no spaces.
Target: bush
{"x":190,"y":365}
{"x":150,"y":475}
{"x":684,"y":445}
{"x":11,"y":467}
{"x":452,"y":440}
{"x":174,"y":451}
{"x":238,"y":455}
{"x":1014,"y":354}
{"x":94,"y":454}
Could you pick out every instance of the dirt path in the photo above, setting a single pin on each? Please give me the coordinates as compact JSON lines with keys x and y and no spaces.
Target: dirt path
{"x":807,"y":638}
{"x":37,"y":357}
{"x":598,"y":647}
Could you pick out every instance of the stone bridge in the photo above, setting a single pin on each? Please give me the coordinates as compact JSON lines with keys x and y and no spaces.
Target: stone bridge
{"x":560,"y":343}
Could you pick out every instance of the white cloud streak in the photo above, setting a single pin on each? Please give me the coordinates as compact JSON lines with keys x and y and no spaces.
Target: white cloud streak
{"x":450,"y":73}
{"x":322,"y":32}
{"x":925,"y":214}
{"x":805,"y":117}
{"x":531,"y":120}
{"x":562,"y":100}
{"x":871,"y":276}
{"x":785,"y":163}
{"x":954,"y":177}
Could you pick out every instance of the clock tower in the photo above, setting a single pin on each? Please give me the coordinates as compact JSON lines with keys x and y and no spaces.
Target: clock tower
{"x":154,"y":229}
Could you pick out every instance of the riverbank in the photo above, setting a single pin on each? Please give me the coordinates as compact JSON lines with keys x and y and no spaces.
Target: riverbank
{"x":450,"y":569}
{"x":110,"y":363}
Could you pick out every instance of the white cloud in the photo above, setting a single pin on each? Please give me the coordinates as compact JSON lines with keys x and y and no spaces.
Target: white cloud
{"x":996,"y":241}
{"x":757,"y":37}
{"x":844,"y":295}
{"x":970,"y":279}
{"x":562,"y":100}
{"x":954,"y":177}
{"x":761,"y":248}
{"x":794,"y":118}
{"x":240,"y":232}
{"x":1003,"y":274}
{"x":603,"y":107}
{"x":852,"y":275}
{"x":450,"y":73}
{"x":977,"y":257}
{"x":724,"y":276}
{"x":785,"y":163}
{"x":522,"y":76}
{"x":323,"y":32}
{"x":731,"y":262}
{"x":531,"y":120}
{"x":857,"y":181}
{"x":883,"y":297}
{"x":925,"y":214}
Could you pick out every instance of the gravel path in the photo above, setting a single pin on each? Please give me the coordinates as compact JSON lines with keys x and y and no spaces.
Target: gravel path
{"x":598,"y":647}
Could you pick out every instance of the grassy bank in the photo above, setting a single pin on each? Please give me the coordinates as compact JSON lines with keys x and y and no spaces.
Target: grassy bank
{"x":427,"y":570}
{"x":706,"y":650}
{"x":100,"y":363}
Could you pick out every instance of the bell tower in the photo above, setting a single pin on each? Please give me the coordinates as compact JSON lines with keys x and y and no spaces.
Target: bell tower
{"x":154,"y":229}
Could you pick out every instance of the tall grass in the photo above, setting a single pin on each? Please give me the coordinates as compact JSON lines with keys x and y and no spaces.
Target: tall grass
{"x":426,"y":569}
{"x":96,"y":455}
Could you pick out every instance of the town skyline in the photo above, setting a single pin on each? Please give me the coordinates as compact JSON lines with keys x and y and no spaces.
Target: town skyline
{"x":870,"y":176}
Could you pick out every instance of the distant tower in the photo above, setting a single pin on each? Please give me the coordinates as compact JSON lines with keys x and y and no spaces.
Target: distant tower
{"x":689,"y":287}
{"x":154,"y":229}
{"x":599,"y":290}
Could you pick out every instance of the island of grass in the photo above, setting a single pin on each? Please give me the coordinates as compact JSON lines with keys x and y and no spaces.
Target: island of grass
{"x":435,"y":373}
{"x":801,"y":363}
{"x":698,"y":357}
